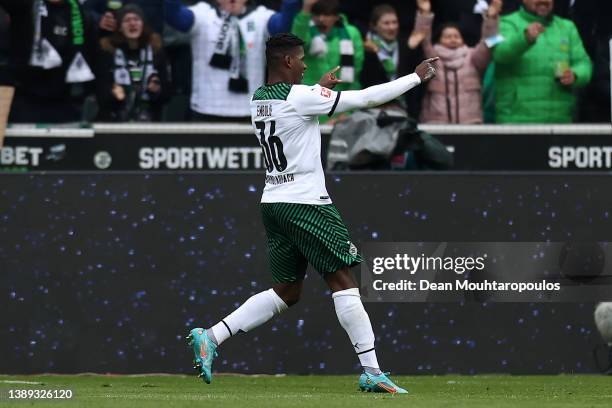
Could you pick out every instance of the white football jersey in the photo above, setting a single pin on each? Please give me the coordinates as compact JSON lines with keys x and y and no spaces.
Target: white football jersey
{"x":286,"y":122}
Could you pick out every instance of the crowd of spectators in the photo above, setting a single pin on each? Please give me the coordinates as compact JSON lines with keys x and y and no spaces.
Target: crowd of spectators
{"x":501,"y":61}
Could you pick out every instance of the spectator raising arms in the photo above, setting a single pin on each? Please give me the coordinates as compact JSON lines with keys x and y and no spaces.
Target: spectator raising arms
{"x":228,"y":47}
{"x":330,"y":41}
{"x":104,"y":13}
{"x":132,"y":82}
{"x":454,"y":96}
{"x":51,"y":89}
{"x":389,"y":56}
{"x":538,"y":66}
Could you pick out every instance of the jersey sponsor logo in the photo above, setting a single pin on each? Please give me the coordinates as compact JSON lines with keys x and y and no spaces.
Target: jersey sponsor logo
{"x":280,"y":179}
{"x":324,"y":198}
{"x":326,"y":93}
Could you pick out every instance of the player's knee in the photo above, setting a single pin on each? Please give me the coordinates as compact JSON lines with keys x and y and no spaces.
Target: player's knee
{"x":291,"y":298}
{"x":289,"y":293}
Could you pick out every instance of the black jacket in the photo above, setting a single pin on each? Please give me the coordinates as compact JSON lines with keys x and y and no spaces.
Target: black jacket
{"x":373,"y":73}
{"x":50,"y":84}
{"x":113,"y":110}
{"x":16,"y":37}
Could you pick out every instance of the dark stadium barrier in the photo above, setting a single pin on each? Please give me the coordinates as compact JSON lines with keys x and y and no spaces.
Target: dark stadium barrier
{"x":106,"y":272}
{"x":190,"y":147}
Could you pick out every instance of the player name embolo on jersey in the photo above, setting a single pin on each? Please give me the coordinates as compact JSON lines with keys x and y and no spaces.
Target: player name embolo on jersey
{"x":286,"y":122}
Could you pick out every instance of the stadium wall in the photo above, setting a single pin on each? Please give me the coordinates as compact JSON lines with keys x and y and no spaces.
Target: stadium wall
{"x":107,"y":272}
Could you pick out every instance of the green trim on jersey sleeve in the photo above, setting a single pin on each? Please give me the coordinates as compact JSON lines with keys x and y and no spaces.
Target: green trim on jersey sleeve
{"x":278,"y":91}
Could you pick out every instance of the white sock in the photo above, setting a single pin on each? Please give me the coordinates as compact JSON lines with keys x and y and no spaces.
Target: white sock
{"x":354,"y":319}
{"x":257,"y":310}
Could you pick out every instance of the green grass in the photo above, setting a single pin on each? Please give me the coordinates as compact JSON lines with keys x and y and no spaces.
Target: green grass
{"x":320,"y":391}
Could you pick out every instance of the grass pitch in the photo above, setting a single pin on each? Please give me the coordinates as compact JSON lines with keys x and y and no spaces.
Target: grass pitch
{"x":316,"y":391}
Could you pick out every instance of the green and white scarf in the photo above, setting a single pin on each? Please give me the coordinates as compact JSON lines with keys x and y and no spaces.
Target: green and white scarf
{"x":135,"y":76}
{"x":230,"y":53}
{"x":45,"y":56}
{"x":388,"y":54}
{"x":319,"y":48}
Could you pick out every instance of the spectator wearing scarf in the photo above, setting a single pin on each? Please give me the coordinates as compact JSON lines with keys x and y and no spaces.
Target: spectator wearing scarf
{"x":132,"y":73}
{"x":389,"y":56}
{"x":454,"y":95}
{"x":52,"y":87}
{"x":228,"y":40}
{"x":330,"y":41}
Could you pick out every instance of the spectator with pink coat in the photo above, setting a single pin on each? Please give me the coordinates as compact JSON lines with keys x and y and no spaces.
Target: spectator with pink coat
{"x":454,"y":95}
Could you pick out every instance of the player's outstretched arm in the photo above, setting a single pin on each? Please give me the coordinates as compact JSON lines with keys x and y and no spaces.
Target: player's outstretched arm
{"x":381,"y":94}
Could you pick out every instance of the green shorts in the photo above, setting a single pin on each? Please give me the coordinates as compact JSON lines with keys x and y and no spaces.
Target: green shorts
{"x":302,"y":234}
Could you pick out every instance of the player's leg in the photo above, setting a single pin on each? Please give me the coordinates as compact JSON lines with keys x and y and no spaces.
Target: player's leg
{"x":355,"y":320}
{"x":288,"y":267}
{"x":254,"y":312}
{"x":257,"y":310}
{"x":322,"y":237}
{"x":353,"y":317}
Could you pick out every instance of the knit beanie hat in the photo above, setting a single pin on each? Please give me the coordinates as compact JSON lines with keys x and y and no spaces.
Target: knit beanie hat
{"x":130,"y":9}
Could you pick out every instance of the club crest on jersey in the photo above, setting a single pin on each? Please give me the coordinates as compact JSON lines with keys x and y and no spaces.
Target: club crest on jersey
{"x":352,"y":249}
{"x":326,"y":92}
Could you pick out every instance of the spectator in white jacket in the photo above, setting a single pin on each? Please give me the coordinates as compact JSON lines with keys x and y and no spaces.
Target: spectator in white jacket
{"x":228,"y":48}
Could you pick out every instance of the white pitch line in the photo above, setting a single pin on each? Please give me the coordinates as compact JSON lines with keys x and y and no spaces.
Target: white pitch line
{"x":20,"y":382}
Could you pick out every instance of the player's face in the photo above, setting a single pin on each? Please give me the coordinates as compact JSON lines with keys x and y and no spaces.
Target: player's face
{"x":297,"y":65}
{"x":387,"y":27}
{"x":234,"y":7}
{"x":542,"y":8}
{"x":325,"y":22}
{"x":131,"y":26}
{"x":451,"y":38}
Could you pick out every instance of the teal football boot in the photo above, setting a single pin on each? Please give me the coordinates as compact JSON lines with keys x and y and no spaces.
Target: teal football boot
{"x":205,"y":351}
{"x":379,"y":383}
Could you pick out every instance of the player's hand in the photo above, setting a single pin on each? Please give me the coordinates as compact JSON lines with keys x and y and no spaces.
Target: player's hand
{"x":424,"y":6}
{"x":329,"y":80}
{"x":108,"y":22}
{"x":533,"y":31}
{"x":427,"y":69}
{"x":495,"y":8}
{"x":568,"y":78}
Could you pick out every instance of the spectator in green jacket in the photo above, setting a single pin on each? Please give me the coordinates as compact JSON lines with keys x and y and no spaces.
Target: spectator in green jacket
{"x":539,"y":65}
{"x":330,"y":42}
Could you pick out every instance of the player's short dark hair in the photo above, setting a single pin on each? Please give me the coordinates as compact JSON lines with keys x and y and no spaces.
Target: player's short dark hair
{"x":280,"y":45}
{"x":326,"y":8}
